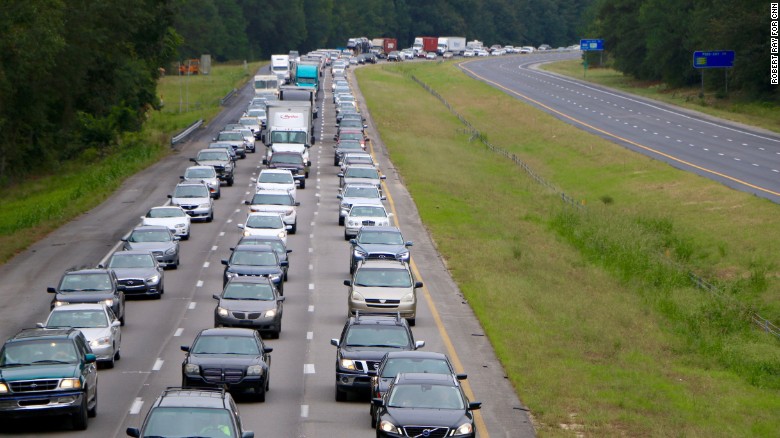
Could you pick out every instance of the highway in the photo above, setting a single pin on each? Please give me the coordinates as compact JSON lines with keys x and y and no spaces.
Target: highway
{"x":741,"y":157}
{"x":301,"y":399}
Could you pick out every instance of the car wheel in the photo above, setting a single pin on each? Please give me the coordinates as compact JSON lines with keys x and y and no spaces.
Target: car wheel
{"x":211,"y":217}
{"x":218,"y":195}
{"x":286,"y":275}
{"x":117,"y":355}
{"x":346,"y":236}
{"x":230,"y":182}
{"x":281,"y":288}
{"x":79,"y":418}
{"x":294,"y":228}
{"x":175,"y":265}
{"x":110,"y":363}
{"x":303,"y":183}
{"x":341,"y":396}
{"x":260,"y":393}
{"x":341,"y":220}
{"x":92,"y":413}
{"x":186,"y":236}
{"x":411,"y":321}
{"x":122,"y":319}
{"x":373,"y":418}
{"x":335,"y":161}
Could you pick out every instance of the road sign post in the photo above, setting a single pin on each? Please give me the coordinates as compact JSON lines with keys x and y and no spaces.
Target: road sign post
{"x":713,"y":59}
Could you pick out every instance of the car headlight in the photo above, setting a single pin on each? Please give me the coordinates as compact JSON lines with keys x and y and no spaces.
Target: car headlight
{"x":255,"y":370}
{"x":275,"y":277}
{"x":170,"y":251}
{"x":231,"y":274}
{"x":180,"y":225}
{"x":70,"y":383}
{"x":359,"y":253}
{"x":59,"y":303}
{"x":221,"y":311}
{"x":3,"y":388}
{"x":153,"y":279}
{"x":206,"y":205}
{"x":99,"y":341}
{"x":191,"y":369}
{"x":357,"y":297}
{"x":348,"y":364}
{"x":387,"y":426}
{"x":464,"y":429}
{"x":282,"y":234}
{"x":408,"y":298}
{"x":109,"y":302}
{"x":289,"y":212}
{"x":247,"y":233}
{"x":403,"y":255}
{"x":271,"y":313}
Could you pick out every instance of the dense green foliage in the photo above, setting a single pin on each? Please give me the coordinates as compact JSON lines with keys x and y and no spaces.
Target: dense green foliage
{"x":655,"y":40}
{"x":74,"y":74}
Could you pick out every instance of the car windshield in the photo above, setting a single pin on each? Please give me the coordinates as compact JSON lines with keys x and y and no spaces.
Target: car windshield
{"x":247,"y":121}
{"x":381,"y":277}
{"x":77,"y":318}
{"x":366,"y":211}
{"x":213,"y":156}
{"x":287,"y":158}
{"x":158,"y":213}
{"x":203,"y":172}
{"x":288,"y":137}
{"x":351,"y":124}
{"x":358,"y":159}
{"x":276,"y":244}
{"x":230,"y":136}
{"x":218,"y":344}
{"x":38,"y":352}
{"x":425,"y":397}
{"x":264,"y":222}
{"x":414,"y":365}
{"x":351,"y":136}
{"x":361,"y":172}
{"x":189,"y":422}
{"x":253,"y":258}
{"x":85,"y":282}
{"x":380,"y":237}
{"x":122,"y":260}
{"x":377,"y":336}
{"x":191,"y":191}
{"x":361,"y":192}
{"x":142,"y":236}
{"x":257,"y":112}
{"x":248,"y":291}
{"x":276,"y":178}
{"x":345,"y":143}
{"x":272,"y":199}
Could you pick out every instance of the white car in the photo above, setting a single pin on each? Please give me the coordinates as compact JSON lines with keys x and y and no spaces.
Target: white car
{"x":430,"y":55}
{"x":360,"y":173}
{"x":265,"y":224}
{"x":259,"y":114}
{"x":252,"y":124}
{"x":277,"y":201}
{"x":172,"y":216}
{"x":468,"y":53}
{"x":277,"y":179}
{"x":205,"y":174}
{"x":98,"y":324}
{"x":365,"y":215}
{"x":353,"y":158}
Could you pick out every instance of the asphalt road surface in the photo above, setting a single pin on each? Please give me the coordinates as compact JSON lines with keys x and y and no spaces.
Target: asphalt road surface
{"x":741,"y":157}
{"x":301,"y":399}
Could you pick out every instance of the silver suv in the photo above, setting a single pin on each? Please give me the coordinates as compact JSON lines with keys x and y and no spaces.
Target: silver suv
{"x":384,"y":286}
{"x":195,"y":199}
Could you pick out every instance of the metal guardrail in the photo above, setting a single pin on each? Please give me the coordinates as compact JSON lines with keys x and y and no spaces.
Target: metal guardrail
{"x":186,"y":133}
{"x":763,"y":323}
{"x":228,"y":96}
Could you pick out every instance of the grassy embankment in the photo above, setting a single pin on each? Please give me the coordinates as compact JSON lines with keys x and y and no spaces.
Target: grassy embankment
{"x":762,"y":114}
{"x":31,"y":209}
{"x":591,"y":313}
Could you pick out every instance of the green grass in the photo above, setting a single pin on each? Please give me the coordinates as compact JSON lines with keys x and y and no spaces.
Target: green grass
{"x":590,"y":313}
{"x":736,"y":108}
{"x":31,"y":209}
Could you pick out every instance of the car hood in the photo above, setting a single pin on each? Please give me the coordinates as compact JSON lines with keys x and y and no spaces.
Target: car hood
{"x":224,"y":360}
{"x":267,"y":207}
{"x":149,"y":246}
{"x":254,"y":270}
{"x":373,"y":201}
{"x":351,"y":180}
{"x":219,"y":163}
{"x":39,"y":371}
{"x":379,"y":248}
{"x":388,"y":293}
{"x":123,"y":273}
{"x":429,"y":417}
{"x":247,"y":305}
{"x":84,"y":297}
{"x":189,"y":201}
{"x":166,"y":221}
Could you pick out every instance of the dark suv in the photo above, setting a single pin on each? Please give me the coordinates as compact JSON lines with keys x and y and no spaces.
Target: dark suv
{"x":207,"y":413}
{"x":48,"y":372}
{"x":90,"y":286}
{"x":292,"y":161}
{"x":364,"y":341}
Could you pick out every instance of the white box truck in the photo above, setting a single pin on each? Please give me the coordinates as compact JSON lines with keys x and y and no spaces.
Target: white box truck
{"x":290,"y":128}
{"x":280,"y":66}
{"x":453,"y":44}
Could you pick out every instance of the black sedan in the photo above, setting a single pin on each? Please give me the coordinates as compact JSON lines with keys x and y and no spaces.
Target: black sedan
{"x":250,"y":302}
{"x":255,"y":260}
{"x":231,"y":358}
{"x":424,"y":404}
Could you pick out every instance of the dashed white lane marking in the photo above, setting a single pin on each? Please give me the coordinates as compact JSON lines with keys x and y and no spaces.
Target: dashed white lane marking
{"x":308,"y":368}
{"x":304,"y":411}
{"x":157,"y":364}
{"x":310,"y":335}
{"x":229,"y":220}
{"x":311,"y":236}
{"x":311,"y":267}
{"x":178,"y":332}
{"x":311,"y":250}
{"x":311,"y":308}
{"x":316,"y":212}
{"x":214,"y":248}
{"x":192,"y":305}
{"x":312,"y":223}
{"x":206,"y":264}
{"x":238,"y":210}
{"x":754,"y":164}
{"x":135,"y":408}
{"x":199,"y":283}
{"x":311,"y":286}
{"x":775,"y":170}
{"x":246,"y":193}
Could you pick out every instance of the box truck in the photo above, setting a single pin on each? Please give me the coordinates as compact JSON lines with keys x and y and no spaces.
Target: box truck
{"x":290,"y":128}
{"x":456,"y":45}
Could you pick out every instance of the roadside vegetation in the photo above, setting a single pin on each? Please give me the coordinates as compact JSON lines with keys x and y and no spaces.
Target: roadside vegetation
{"x":591,"y":310}
{"x":31,"y":209}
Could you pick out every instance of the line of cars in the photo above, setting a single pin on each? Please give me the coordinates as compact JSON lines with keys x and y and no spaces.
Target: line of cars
{"x":413,"y":392}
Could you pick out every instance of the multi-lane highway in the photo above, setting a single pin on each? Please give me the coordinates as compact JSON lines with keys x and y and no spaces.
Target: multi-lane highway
{"x":301,"y":399}
{"x":740,"y":157}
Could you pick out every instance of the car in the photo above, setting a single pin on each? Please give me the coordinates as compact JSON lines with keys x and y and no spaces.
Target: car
{"x":346,"y":111}
{"x":277,"y":179}
{"x":344,"y":147}
{"x":156,"y":239}
{"x":396,"y":362}
{"x":139,"y":272}
{"x":383,"y":286}
{"x":365,"y":215}
{"x":251,"y":302}
{"x":233,"y":358}
{"x":257,"y":261}
{"x":274,"y":242}
{"x":277,"y":201}
{"x":378,"y":243}
{"x":293,"y":162}
{"x":172,"y":216}
{"x":90,"y":286}
{"x":253,"y":125}
{"x":425,"y":404}
{"x":430,"y":55}
{"x":195,"y":199}
{"x":48,"y":372}
{"x":347,"y":134}
{"x":448,"y":55}
{"x":357,"y":193}
{"x":468,"y":53}
{"x":179,"y":412}
{"x":220,"y":160}
{"x":97,"y":322}
{"x":235,"y":139}
{"x":352,"y":123}
{"x":228,"y":147}
{"x":259,"y":114}
{"x":206,"y":175}
{"x":265,"y":224}
{"x":360,"y":174}
{"x":364,"y":341}
{"x":355,"y":158}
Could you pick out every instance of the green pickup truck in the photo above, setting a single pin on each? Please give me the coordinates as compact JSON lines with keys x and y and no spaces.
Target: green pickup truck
{"x":48,"y":372}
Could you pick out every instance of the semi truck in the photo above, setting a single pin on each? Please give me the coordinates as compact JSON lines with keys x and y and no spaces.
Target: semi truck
{"x":280,"y":66}
{"x":382,"y":46}
{"x":427,"y":44}
{"x":307,"y":74}
{"x":452,"y":44}
{"x":290,"y":128}
{"x":266,"y":85}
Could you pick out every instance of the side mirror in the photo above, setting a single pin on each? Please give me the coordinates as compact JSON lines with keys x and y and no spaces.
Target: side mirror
{"x":383,"y":198}
{"x":248,"y":434}
{"x":340,"y":174}
{"x":353,"y":241}
{"x":267,"y":349}
{"x":347,"y":282}
{"x":284,"y":263}
{"x":133,"y":432}
{"x":51,"y":290}
{"x":280,"y":299}
{"x":185,"y":348}
{"x":240,"y":226}
{"x":225,"y":262}
{"x":181,"y":177}
{"x":101,"y":266}
{"x":288,"y":227}
{"x":297,"y":204}
{"x":193,"y":160}
{"x":474,"y":405}
{"x":215,"y":296}
{"x":409,"y":243}
{"x":461,"y":376}
{"x":265,"y":161}
{"x":170,"y":196}
{"x":90,"y":358}
{"x":116,"y":323}
{"x":340,"y":196}
{"x":289,"y":251}
{"x":334,"y":342}
{"x":419,"y":344}
{"x":382,"y":177}
{"x":365,"y":126}
{"x":40,"y":325}
{"x":308,"y":163}
{"x":418,"y":285}
{"x":378,"y":402}
{"x":389,"y":214}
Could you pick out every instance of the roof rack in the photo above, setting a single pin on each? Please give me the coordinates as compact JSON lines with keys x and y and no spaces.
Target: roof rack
{"x":358,"y":314}
{"x":220,"y":390}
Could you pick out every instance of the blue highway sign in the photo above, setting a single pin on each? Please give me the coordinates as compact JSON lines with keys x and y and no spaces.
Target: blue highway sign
{"x":588,"y":45}
{"x":713,"y":59}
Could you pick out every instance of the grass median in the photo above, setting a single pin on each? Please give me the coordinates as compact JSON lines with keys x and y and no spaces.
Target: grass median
{"x":33,"y":208}
{"x":591,"y":312}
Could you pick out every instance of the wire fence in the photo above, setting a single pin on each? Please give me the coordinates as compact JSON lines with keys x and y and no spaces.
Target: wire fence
{"x":763,"y":323}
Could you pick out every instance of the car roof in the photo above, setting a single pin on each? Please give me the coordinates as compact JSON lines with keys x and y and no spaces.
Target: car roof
{"x":79,"y":306}
{"x":151,"y":228}
{"x":383,"y":263}
{"x":276,"y":170}
{"x":426,"y":379}
{"x":254,"y":248}
{"x":194,"y":398}
{"x":32,"y":333}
